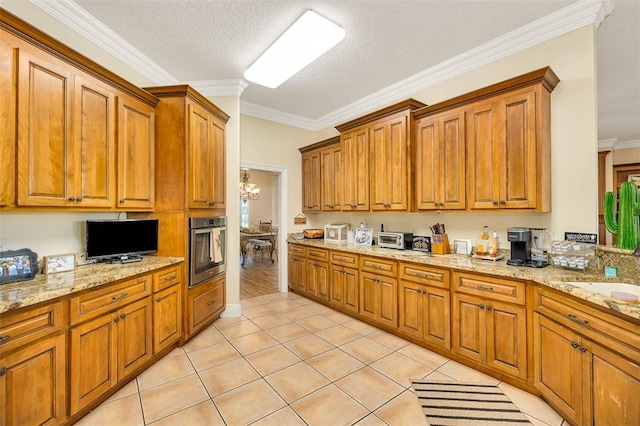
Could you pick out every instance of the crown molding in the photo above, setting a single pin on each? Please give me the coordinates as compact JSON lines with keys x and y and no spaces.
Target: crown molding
{"x":79,"y":20}
{"x":572,"y":17}
{"x":214,"y":88}
{"x":614,"y":144}
{"x":278,"y":116}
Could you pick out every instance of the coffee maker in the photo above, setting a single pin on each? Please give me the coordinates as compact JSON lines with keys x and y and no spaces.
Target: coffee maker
{"x":520,"y":239}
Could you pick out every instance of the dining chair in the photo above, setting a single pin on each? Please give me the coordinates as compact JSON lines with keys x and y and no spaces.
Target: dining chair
{"x":264,"y":226}
{"x":262,"y":246}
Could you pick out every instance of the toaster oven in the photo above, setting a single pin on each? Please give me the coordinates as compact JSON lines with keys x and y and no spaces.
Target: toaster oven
{"x":395,"y":240}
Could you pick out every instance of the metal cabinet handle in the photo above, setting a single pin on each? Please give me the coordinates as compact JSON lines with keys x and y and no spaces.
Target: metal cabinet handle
{"x":123,"y":316}
{"x":3,"y":338}
{"x":574,"y":344}
{"x":3,"y":371}
{"x":374,"y":266}
{"x":574,"y":318}
{"x":489,"y":308}
{"x":121,"y":200}
{"x":211,"y":302}
{"x":72,"y":199}
{"x":421,"y":275}
{"x":122,"y":296}
{"x":484,"y":287}
{"x":481,"y":306}
{"x":116,"y":319}
{"x":495,"y":202}
{"x":172,"y":278}
{"x":79,"y":198}
{"x":583,"y":349}
{"x":503,"y":202}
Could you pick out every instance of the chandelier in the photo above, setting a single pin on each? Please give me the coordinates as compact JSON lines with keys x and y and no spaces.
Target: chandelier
{"x":248,"y":191}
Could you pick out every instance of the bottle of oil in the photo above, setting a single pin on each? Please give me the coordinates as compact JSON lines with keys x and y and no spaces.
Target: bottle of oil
{"x":482,"y":243}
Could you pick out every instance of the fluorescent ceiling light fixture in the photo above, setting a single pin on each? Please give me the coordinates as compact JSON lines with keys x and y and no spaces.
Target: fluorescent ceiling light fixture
{"x":307,"y":39}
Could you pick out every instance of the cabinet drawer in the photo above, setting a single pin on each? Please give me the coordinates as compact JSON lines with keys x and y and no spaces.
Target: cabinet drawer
{"x":27,"y":326}
{"x":588,"y":321}
{"x":344,"y":258}
{"x":166,"y":278}
{"x":297,"y":250}
{"x":97,"y":302}
{"x":424,"y":275}
{"x":379,"y":266}
{"x":494,"y":288}
{"x":317,"y":254}
{"x":207,"y":304}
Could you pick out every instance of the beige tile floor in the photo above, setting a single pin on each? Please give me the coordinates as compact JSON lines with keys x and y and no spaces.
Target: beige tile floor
{"x":291,"y":361}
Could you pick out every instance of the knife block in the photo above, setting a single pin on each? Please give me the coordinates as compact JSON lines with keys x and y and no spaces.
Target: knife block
{"x":440,"y":244}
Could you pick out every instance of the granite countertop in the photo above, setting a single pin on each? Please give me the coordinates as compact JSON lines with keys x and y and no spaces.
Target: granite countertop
{"x":48,"y":287}
{"x":550,"y":276}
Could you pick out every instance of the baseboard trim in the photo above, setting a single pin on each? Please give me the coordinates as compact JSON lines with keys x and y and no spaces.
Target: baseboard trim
{"x":232,"y":311}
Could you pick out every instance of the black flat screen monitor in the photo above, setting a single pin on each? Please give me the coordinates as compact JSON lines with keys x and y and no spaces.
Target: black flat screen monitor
{"x":113,"y":238}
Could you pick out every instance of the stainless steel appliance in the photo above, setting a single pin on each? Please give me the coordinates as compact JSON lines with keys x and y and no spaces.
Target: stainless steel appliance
{"x":207,"y":248}
{"x":520,"y":239}
{"x":395,"y":240}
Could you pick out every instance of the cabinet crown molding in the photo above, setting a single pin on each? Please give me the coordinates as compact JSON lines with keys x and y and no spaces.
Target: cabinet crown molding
{"x":408,"y":104}
{"x":321,"y":144}
{"x":184,"y":90}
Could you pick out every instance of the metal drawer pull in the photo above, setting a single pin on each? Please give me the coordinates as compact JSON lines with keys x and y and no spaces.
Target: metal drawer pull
{"x":116,"y":319}
{"x":3,"y":338}
{"x":211,"y":302}
{"x":374,"y":266}
{"x":576,"y":319}
{"x":160,"y":299}
{"x":489,"y":308}
{"x":173,"y":278}
{"x":484,"y":287}
{"x":421,"y":275}
{"x":122,"y":296}
{"x":583,"y":349}
{"x":3,"y":371}
{"x":123,"y":316}
{"x":481,"y":306}
{"x":574,"y":345}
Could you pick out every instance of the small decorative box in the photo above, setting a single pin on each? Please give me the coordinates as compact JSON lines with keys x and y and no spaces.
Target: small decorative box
{"x":421,"y":244}
{"x":336,"y":232}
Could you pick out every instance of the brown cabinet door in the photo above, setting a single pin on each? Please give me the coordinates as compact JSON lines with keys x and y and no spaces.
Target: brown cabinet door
{"x":517,"y":136}
{"x":33,"y":384}
{"x":296,"y":274}
{"x":507,"y":338}
{"x":469,"y":327}
{"x":389,"y":165}
{"x":93,"y":360}
{"x":8,"y":86}
{"x":484,"y":156}
{"x":440,"y":161}
{"x":611,"y":387}
{"x":205,"y":302}
{"x":167,"y":317}
{"x":136,"y":154}
{"x":311,"y":184}
{"x":355,"y":154}
{"x":135,"y":336}
{"x":368,"y":299}
{"x":94,"y":144}
{"x":410,"y":303}
{"x":219,"y":164}
{"x":200,"y":167}
{"x":317,"y":279}
{"x":379,"y":298}
{"x":45,"y":151}
{"x":436,"y":315}
{"x":351,"y":290}
{"x":331,"y":178}
{"x":336,"y":286}
{"x":558,"y":366}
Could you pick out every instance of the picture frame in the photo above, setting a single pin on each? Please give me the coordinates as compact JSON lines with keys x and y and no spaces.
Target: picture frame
{"x":59,"y":263}
{"x":18,"y":265}
{"x":363,"y":237}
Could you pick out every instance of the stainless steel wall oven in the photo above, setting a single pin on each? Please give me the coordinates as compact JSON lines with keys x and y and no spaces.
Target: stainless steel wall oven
{"x":207,"y":248}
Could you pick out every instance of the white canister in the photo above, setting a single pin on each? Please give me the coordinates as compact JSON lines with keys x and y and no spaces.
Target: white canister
{"x":351,"y":235}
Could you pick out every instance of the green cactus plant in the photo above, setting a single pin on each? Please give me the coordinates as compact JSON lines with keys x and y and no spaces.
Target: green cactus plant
{"x":627,"y":225}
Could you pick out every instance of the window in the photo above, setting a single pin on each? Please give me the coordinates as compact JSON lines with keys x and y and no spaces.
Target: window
{"x":244,"y":214}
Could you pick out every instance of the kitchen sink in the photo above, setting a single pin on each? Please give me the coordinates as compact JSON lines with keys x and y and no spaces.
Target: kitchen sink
{"x":627,"y":292}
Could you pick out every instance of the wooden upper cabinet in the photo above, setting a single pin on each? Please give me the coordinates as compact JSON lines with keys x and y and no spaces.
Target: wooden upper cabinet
{"x":136,"y":154}
{"x":331,"y":177}
{"x":440,"y":161}
{"x":389,"y":164}
{"x":45,"y":151}
{"x":190,"y":150}
{"x":8,"y":82}
{"x":355,"y":164}
{"x":311,"y":185}
{"x":509,"y":151}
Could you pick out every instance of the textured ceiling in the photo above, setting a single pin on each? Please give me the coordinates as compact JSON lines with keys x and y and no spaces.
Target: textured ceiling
{"x":386,"y":41}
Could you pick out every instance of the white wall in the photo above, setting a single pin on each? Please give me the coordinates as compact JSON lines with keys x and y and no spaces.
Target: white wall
{"x":264,"y":208}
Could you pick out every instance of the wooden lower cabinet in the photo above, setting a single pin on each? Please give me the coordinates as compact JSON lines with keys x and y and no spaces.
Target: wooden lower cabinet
{"x":343,"y":290}
{"x":33,"y":385}
{"x":205,"y":303}
{"x":379,"y":298}
{"x":490,"y":332}
{"x":167,"y":317}
{"x":588,"y":383}
{"x":107,"y":349}
{"x":425,"y":313}
{"x":317,"y":279}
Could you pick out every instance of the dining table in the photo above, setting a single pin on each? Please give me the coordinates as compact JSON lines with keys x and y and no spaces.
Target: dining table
{"x":264,"y":236}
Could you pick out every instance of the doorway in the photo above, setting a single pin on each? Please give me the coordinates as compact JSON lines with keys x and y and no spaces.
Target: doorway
{"x":260,"y":276}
